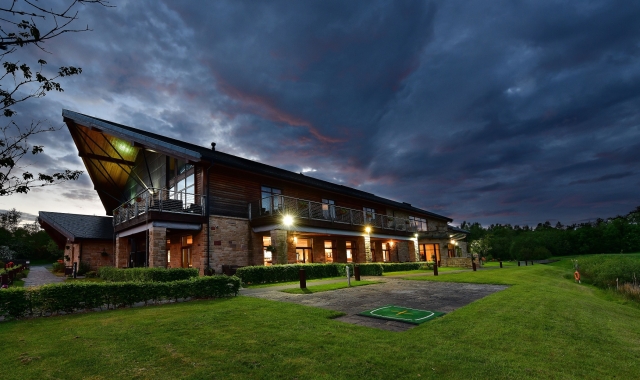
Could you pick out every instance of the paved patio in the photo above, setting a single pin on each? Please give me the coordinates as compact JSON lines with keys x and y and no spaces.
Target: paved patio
{"x":426,"y":295}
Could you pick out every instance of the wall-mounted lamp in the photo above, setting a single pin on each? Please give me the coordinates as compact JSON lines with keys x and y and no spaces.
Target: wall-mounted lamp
{"x":367,"y":229}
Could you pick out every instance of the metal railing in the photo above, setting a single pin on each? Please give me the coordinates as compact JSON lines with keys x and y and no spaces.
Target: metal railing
{"x":162,"y":200}
{"x":301,"y":208}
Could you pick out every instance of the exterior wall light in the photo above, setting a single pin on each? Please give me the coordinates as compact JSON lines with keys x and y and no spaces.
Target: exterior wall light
{"x":287,"y":220}
{"x":367,"y":229}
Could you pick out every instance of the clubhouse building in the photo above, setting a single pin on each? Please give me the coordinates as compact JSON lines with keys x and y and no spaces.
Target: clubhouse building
{"x":170,"y":203}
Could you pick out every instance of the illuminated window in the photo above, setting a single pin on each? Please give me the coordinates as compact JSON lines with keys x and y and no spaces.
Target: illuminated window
{"x":186,"y":257}
{"x":183,"y":186}
{"x":349,"y":252}
{"x":268,"y":256}
{"x":168,"y":253}
{"x":385,"y":252}
{"x":430,"y":251}
{"x":329,"y":251}
{"x":187,"y":240}
{"x":303,"y":251}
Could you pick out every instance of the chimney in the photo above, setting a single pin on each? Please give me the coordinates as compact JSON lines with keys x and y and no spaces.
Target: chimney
{"x":213,"y":146}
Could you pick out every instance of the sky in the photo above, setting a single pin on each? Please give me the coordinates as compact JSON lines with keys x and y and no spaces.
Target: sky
{"x":492,"y":112}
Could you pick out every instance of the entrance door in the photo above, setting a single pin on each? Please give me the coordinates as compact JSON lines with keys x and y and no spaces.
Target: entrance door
{"x":186,"y":257}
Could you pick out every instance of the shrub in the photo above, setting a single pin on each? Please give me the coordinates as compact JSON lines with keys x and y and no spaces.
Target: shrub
{"x":20,"y":276}
{"x":91,"y":274}
{"x":146,"y":274}
{"x":74,"y":296}
{"x":290,"y":272}
{"x":602,"y":271}
{"x":58,"y":267}
{"x":83,"y":268}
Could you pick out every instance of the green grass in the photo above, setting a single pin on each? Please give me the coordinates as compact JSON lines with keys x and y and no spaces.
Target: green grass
{"x":543,"y":326}
{"x":95,"y":279}
{"x":496,"y":264}
{"x":327,"y":287}
{"x":424,"y":271}
{"x":20,"y":283}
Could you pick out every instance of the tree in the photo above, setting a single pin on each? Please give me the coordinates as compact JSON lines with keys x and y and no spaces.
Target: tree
{"x":26,"y":23}
{"x":481,"y":247}
{"x":10,"y":220}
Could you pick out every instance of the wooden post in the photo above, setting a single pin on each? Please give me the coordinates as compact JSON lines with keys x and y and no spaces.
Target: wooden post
{"x":526,"y":263}
{"x":303,"y":279}
{"x":435,"y":269}
{"x":356,"y":272}
{"x":473,"y":264}
{"x":501,"y":264}
{"x":518,"y":262}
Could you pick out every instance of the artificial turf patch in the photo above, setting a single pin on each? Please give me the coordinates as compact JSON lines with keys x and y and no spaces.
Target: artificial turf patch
{"x":402,"y":314}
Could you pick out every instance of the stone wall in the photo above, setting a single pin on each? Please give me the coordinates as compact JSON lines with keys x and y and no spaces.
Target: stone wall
{"x":158,"y":247}
{"x":230,"y":242}
{"x":92,"y":253}
{"x":403,"y":251}
{"x":122,"y":252}
{"x":464,"y":262}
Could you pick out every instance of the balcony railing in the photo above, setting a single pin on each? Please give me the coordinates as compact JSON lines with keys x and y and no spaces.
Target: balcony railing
{"x":162,"y":200}
{"x":277,"y":205}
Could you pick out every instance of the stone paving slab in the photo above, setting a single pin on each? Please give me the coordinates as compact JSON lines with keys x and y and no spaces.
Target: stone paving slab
{"x":435,"y":296}
{"x":39,"y":275}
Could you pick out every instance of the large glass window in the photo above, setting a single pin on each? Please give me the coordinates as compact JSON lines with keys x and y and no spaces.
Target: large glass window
{"x":328,"y":209}
{"x":349,"y":252}
{"x":385,"y":252}
{"x":270,"y":199}
{"x":420,"y":224}
{"x":329,"y":251}
{"x":429,"y":252}
{"x":183,"y":187}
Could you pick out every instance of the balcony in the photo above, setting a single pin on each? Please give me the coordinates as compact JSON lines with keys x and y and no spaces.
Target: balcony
{"x":279,"y":205}
{"x":155,"y":203}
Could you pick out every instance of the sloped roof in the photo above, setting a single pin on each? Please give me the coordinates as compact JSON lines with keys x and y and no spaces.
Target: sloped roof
{"x":76,"y":226}
{"x":195,"y":152}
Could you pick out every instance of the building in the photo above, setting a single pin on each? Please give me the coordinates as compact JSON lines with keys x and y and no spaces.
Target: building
{"x":84,"y":238}
{"x":176,"y":204}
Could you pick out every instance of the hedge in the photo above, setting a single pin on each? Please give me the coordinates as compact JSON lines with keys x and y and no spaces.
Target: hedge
{"x":78,"y":296}
{"x":290,"y":272}
{"x":146,"y":274}
{"x":3,"y":271}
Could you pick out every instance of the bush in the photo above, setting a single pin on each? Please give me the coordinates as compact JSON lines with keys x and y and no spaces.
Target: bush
{"x":20,"y":276}
{"x":146,"y":274}
{"x":91,"y":274}
{"x":83,"y":268}
{"x":58,"y":267}
{"x":75,"y":296}
{"x":290,"y":272}
{"x":602,"y":271}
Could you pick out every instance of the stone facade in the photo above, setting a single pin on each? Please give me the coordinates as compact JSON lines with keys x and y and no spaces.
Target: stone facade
{"x":230,"y":242}
{"x":464,"y":262}
{"x":403,"y":251}
{"x":367,"y":249}
{"x":122,"y":252}
{"x":158,"y":245}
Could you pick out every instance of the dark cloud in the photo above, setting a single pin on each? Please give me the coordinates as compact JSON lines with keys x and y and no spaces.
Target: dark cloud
{"x":500,"y":112}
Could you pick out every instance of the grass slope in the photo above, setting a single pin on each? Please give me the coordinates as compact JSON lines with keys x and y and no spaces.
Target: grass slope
{"x":543,"y":326}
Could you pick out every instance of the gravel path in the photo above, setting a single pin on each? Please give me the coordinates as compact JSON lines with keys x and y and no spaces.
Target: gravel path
{"x":434,"y":296}
{"x":40,"y":276}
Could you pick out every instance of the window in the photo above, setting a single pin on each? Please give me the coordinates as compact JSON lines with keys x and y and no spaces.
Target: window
{"x":349,"y":252}
{"x":385,"y":252}
{"x":270,"y":199}
{"x":329,"y":251}
{"x":328,"y":209}
{"x":429,"y":251}
{"x":369,"y":214}
{"x":187,"y":240}
{"x":420,"y":224}
{"x":303,"y":251}
{"x":186,"y":257}
{"x":268,"y":256}
{"x":168,"y":253}
{"x":183,"y":186}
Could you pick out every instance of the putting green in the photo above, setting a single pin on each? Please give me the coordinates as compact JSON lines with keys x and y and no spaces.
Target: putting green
{"x":402,"y":314}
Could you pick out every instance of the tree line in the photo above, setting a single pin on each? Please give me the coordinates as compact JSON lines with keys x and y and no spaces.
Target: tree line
{"x":25,"y":241}
{"x":620,"y":234}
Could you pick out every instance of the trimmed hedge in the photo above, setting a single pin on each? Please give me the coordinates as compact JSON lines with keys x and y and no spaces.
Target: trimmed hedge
{"x":146,"y":274}
{"x":76,"y":296}
{"x":290,"y":272}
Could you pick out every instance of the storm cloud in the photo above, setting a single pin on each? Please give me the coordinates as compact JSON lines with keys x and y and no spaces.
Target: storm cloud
{"x":497,"y":112}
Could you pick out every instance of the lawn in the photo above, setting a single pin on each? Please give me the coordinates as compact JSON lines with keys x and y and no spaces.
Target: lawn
{"x":327,"y":287}
{"x":543,"y":326}
{"x":256,"y":286}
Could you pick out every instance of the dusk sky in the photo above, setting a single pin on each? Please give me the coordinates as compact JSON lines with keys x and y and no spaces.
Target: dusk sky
{"x":491,"y":111}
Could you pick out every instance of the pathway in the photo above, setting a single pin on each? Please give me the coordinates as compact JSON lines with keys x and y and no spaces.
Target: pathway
{"x":39,"y":275}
